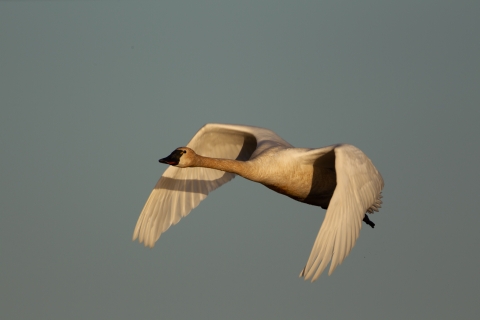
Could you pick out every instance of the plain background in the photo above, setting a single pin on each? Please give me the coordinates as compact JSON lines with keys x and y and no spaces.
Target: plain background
{"x":92,"y":94}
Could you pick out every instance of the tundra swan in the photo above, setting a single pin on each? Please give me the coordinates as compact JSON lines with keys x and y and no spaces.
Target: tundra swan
{"x":339,"y":178}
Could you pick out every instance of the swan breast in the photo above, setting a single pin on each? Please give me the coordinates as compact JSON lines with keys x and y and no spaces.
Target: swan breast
{"x":280,"y":171}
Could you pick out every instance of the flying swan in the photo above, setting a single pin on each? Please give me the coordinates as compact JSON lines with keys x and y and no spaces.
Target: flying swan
{"x":339,"y":178}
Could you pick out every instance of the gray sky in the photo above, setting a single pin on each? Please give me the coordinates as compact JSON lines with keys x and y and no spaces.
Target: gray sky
{"x":93,"y":93}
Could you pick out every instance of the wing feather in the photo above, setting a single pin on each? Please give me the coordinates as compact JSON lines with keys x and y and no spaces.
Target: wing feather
{"x":359,"y":185}
{"x":180,"y":190}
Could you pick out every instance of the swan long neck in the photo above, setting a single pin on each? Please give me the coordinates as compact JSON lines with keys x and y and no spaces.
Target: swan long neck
{"x":241,"y":168}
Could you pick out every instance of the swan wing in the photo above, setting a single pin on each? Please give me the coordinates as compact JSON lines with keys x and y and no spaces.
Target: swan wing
{"x":180,"y":190}
{"x":358,"y":188}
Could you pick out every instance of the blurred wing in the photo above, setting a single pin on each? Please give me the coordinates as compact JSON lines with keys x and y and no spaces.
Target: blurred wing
{"x":359,"y":185}
{"x":180,"y":190}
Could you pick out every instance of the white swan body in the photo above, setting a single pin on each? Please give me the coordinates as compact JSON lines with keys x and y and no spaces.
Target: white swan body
{"x":339,"y":178}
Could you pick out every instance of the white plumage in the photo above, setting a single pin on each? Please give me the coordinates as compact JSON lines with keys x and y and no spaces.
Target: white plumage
{"x":340,"y":177}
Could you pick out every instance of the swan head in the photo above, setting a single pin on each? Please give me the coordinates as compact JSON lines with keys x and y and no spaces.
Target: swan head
{"x":181,"y":157}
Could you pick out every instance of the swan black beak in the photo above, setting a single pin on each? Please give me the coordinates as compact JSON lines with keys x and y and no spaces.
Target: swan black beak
{"x":167,"y":160}
{"x":173,"y":159}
